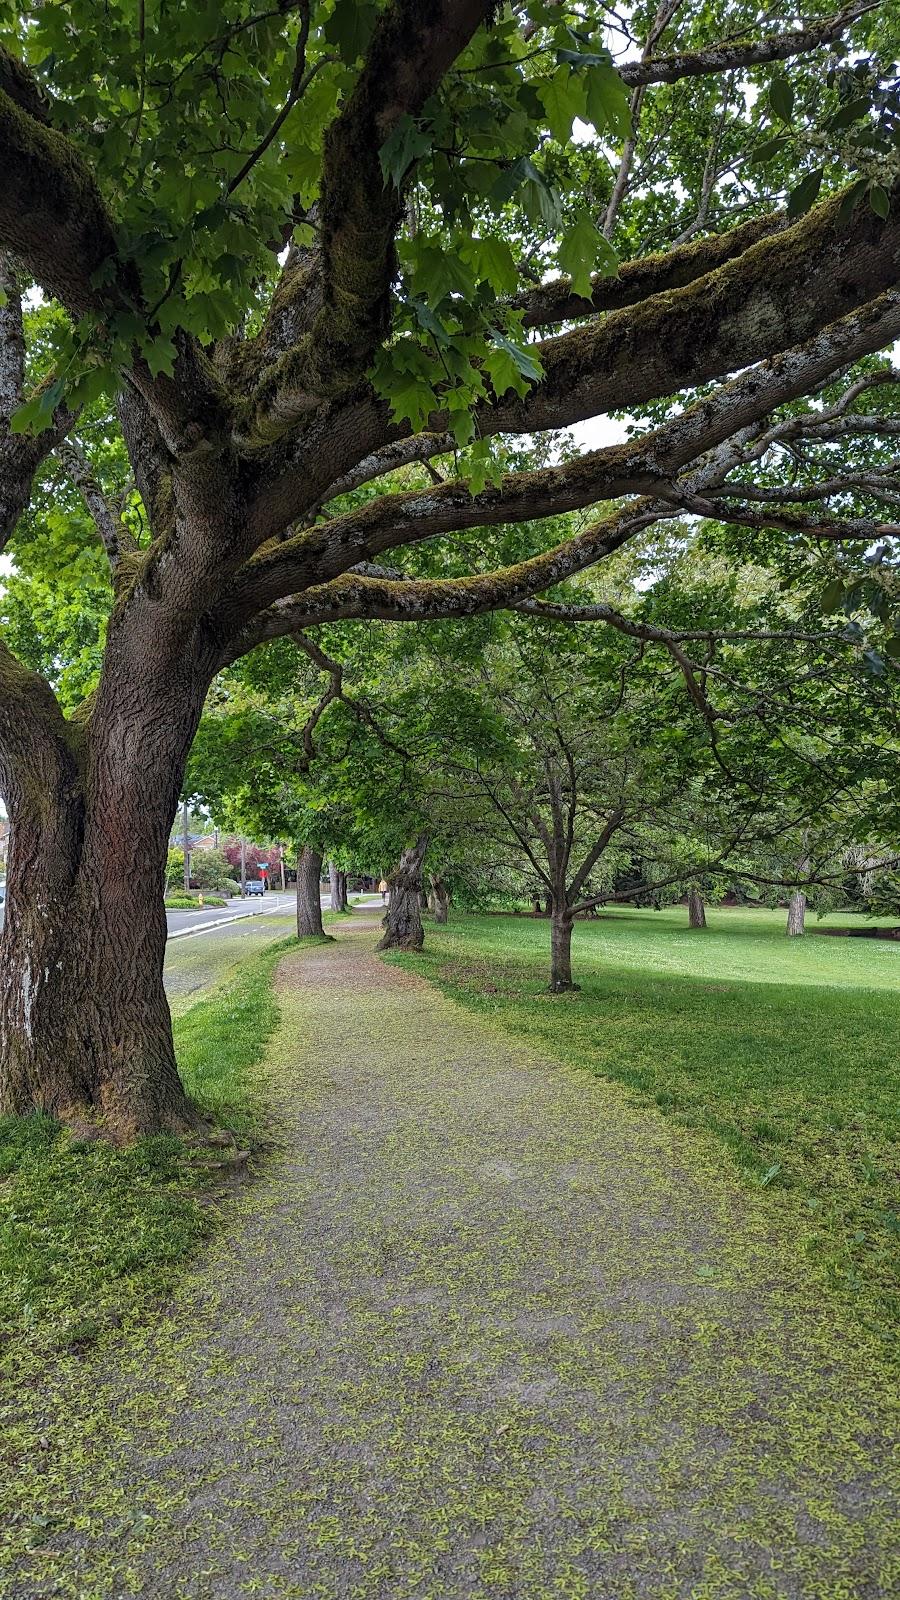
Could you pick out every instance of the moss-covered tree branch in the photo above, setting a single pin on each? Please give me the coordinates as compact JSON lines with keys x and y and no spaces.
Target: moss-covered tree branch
{"x":648,"y":464}
{"x":347,"y":285}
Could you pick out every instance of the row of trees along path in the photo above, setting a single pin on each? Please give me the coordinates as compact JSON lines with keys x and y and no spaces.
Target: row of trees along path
{"x":281,"y":258}
{"x":583,"y":766}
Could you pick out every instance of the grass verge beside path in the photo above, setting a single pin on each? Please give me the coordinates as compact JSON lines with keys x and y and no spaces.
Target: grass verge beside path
{"x":782,"y":1051}
{"x":90,"y":1234}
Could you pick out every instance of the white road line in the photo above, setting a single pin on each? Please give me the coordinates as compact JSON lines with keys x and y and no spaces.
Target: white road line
{"x":194,"y":930}
{"x":197,"y":928}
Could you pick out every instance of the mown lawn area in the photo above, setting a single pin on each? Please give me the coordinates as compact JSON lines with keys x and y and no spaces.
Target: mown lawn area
{"x":783,"y":1051}
{"x":90,"y":1234}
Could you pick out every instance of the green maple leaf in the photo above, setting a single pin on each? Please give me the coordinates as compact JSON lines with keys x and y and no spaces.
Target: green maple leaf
{"x":583,"y":251}
{"x":405,"y":144}
{"x":563,"y":99}
{"x":493,"y":262}
{"x":607,"y":102}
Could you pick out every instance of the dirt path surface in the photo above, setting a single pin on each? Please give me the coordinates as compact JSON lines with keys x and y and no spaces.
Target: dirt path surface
{"x":482,"y":1329}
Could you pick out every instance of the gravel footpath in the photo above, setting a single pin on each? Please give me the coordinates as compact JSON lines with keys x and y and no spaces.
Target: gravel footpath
{"x":482,"y":1328}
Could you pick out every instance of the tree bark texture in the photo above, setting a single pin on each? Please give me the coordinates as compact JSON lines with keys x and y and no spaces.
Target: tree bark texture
{"x":403,"y":923}
{"x":796,"y":917}
{"x":338,"y":882}
{"x":696,"y":909}
{"x":309,"y":901}
{"x":561,"y":952}
{"x":440,"y":900}
{"x":85,"y":1028}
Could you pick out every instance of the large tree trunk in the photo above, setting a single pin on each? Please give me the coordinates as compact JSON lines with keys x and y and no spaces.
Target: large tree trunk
{"x":696,"y":909}
{"x":561,"y":951}
{"x":309,"y":901}
{"x":84,"y":1020}
{"x":342,"y":890}
{"x":85,"y":1028}
{"x":796,"y":917}
{"x":403,"y":923}
{"x":440,"y":900}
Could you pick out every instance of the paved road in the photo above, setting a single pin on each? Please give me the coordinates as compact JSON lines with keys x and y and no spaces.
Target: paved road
{"x":205,"y":947}
{"x":182,"y":923}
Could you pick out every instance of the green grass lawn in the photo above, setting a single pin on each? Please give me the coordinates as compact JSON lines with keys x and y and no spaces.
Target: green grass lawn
{"x":784,"y":1052}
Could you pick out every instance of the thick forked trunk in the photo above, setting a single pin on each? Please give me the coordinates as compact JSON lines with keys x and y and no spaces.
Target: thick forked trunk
{"x":309,"y":902}
{"x":696,"y":909}
{"x":403,"y":923}
{"x":84,"y":1020}
{"x":85,"y":1028}
{"x":561,"y":951}
{"x":796,"y":917}
{"x":440,"y":900}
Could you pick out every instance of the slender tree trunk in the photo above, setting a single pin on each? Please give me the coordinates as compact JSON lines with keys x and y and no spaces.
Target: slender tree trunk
{"x":796,"y":917}
{"x":696,"y":909}
{"x":309,"y":902}
{"x":440,"y":900}
{"x":186,"y":846}
{"x":338,"y":884}
{"x":561,"y":951}
{"x":403,"y":923}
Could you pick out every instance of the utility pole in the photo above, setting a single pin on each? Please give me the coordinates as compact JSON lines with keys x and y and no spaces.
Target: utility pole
{"x":186,"y":845}
{"x":243,"y":865}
